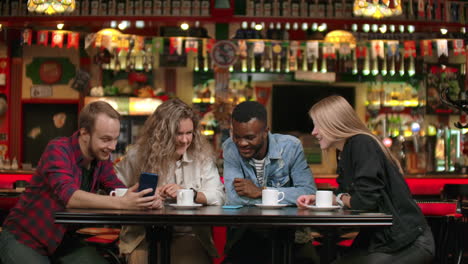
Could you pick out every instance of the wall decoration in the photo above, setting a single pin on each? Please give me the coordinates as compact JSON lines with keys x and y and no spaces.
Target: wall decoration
{"x":44,"y":122}
{"x":50,"y":72}
{"x":438,"y":78}
{"x":47,"y":70}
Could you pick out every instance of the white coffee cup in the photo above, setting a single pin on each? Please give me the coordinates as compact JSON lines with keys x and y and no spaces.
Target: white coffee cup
{"x":185,"y":197}
{"x":118,"y":192}
{"x":271,"y":196}
{"x":323,"y":198}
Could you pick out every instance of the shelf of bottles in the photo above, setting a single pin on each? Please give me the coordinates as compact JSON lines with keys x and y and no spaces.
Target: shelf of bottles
{"x":118,"y":8}
{"x":394,"y":94}
{"x":414,"y":10}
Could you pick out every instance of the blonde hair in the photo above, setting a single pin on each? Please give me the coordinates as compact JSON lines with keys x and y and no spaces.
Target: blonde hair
{"x":157,"y":139}
{"x":338,"y":121}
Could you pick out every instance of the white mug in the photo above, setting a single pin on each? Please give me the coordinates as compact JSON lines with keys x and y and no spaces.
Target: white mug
{"x":271,"y":196}
{"x":118,"y":192}
{"x":323,"y":198}
{"x":185,"y":197}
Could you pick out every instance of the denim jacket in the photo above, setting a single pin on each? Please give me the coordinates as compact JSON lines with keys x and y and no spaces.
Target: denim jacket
{"x":285,"y":169}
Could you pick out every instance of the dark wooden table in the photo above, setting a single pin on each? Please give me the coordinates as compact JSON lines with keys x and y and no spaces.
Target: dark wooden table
{"x":283,"y":220}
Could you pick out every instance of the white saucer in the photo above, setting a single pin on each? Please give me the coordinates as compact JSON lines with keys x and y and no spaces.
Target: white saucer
{"x":324,"y":208}
{"x":271,"y":206}
{"x":188,"y":206}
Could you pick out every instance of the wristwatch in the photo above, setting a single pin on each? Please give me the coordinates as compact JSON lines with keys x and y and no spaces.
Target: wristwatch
{"x":194,"y":194}
{"x":338,"y":198}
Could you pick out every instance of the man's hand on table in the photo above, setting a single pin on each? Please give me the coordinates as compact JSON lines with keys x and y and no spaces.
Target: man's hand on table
{"x":304,"y":200}
{"x":247,"y":188}
{"x":136,"y":200}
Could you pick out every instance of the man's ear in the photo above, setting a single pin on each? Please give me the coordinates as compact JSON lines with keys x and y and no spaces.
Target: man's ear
{"x":84,"y":132}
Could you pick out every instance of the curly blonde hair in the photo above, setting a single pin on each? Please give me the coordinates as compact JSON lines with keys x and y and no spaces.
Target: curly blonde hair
{"x":158,"y":137}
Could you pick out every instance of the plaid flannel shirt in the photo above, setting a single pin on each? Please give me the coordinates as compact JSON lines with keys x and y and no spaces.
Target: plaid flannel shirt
{"x":57,"y":177}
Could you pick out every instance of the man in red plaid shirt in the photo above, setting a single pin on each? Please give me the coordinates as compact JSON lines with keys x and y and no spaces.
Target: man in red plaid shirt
{"x":69,"y":173}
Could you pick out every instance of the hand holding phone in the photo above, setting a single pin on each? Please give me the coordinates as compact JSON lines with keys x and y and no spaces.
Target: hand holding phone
{"x":148,"y":180}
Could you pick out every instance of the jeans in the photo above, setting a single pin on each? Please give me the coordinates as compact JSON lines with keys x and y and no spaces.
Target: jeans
{"x":70,"y":251}
{"x":421,"y":251}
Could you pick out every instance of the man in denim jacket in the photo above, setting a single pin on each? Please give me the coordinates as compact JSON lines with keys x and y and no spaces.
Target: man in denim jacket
{"x":255,"y":159}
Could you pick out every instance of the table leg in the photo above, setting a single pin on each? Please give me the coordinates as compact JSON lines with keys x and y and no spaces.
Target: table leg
{"x":329,"y":250}
{"x":152,"y":238}
{"x":159,"y":244}
{"x":165,"y":243}
{"x":283,"y":246}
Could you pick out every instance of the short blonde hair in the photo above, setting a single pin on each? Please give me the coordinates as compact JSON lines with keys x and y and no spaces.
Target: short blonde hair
{"x":89,"y":113}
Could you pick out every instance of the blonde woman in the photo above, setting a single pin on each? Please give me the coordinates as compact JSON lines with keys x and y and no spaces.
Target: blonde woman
{"x":370,"y":178}
{"x":171,"y":145}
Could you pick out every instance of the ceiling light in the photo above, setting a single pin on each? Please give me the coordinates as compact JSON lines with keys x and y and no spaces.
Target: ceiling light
{"x":51,"y":7}
{"x":140,"y":24}
{"x":184,"y":26}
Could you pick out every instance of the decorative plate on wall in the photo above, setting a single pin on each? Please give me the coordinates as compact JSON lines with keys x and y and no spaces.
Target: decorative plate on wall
{"x":50,"y":72}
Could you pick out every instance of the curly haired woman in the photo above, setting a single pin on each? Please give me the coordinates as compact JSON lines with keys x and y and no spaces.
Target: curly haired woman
{"x":171,"y":145}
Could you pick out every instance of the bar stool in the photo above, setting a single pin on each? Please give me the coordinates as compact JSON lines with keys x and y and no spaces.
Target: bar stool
{"x":105,"y":240}
{"x":444,"y":221}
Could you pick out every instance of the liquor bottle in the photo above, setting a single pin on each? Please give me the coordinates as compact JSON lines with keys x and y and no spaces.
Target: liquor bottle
{"x":147,"y":7}
{"x":321,"y":9}
{"x":421,"y":10}
{"x":437,"y":10}
{"x":429,"y":10}
{"x":14,"y":7}
{"x":166,"y":7}
{"x":312,"y":6}
{"x":276,"y":8}
{"x":103,"y":7}
{"x":410,"y":11}
{"x":267,"y":58}
{"x":157,"y":7}
{"x":175,"y":7}
{"x":85,"y":8}
{"x":286,"y":8}
{"x":205,"y":8}
{"x":130,"y":9}
{"x":330,"y":11}
{"x":295,"y":8}
{"x":248,"y":89}
{"x":94,"y":8}
{"x":121,"y":5}
{"x":304,"y":9}
{"x":77,"y":10}
{"x":138,"y":7}
{"x":186,"y":8}
{"x":196,"y":7}
{"x":259,"y":8}
{"x":267,"y":8}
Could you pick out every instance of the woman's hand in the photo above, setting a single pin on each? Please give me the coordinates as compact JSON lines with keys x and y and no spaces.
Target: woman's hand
{"x":169,"y":191}
{"x":158,"y":201}
{"x":304,"y":200}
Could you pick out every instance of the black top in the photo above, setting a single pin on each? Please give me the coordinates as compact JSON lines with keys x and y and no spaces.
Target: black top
{"x":375,"y":184}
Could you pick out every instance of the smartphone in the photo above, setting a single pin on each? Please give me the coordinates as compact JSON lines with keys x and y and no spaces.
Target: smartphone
{"x":148,"y":180}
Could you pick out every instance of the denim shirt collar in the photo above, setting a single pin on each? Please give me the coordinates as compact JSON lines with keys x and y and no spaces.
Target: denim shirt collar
{"x":274,"y":149}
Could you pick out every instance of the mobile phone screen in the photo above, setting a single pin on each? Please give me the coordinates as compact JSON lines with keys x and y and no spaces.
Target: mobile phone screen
{"x":148,"y":180}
